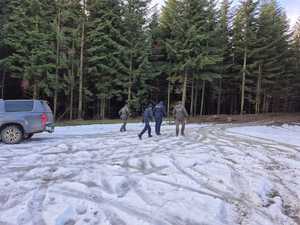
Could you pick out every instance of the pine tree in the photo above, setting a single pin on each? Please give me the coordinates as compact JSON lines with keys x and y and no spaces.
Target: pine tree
{"x":168,"y":23}
{"x":67,"y":65}
{"x":296,"y":65}
{"x":191,"y":46}
{"x":284,"y":81}
{"x":81,"y":65}
{"x":29,"y":34}
{"x":296,"y":48}
{"x":154,"y":63}
{"x":104,"y":48}
{"x":102,"y":52}
{"x":224,"y":33}
{"x":4,"y":14}
{"x":213,"y":51}
{"x":244,"y":26}
{"x":270,"y":52}
{"x":134,"y":54}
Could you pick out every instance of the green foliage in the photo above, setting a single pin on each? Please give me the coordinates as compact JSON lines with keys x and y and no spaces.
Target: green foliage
{"x":104,"y":47}
{"x":29,"y":36}
{"x":135,"y":51}
{"x":192,"y":40}
{"x":131,"y":53}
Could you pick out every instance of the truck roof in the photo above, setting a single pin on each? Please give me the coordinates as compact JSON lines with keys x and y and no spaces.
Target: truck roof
{"x":22,"y":100}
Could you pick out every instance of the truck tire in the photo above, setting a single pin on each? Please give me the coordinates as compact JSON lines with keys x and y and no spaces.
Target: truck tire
{"x":12,"y":134}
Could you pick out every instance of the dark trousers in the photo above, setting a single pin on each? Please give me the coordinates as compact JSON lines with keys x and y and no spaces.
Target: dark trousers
{"x":146,"y":128}
{"x":123,"y":127}
{"x":178,"y":122}
{"x":158,"y":122}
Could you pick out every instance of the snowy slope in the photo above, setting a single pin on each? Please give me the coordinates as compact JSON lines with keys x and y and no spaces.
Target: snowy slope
{"x":95,"y":175}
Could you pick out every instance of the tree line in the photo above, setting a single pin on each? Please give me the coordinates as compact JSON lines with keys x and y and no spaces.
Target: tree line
{"x":88,"y":57}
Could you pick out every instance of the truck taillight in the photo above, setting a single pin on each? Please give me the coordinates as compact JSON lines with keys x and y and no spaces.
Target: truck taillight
{"x":44,"y":119}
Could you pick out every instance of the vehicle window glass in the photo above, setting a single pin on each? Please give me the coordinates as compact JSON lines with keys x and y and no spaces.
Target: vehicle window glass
{"x":46,"y":106}
{"x":18,"y":106}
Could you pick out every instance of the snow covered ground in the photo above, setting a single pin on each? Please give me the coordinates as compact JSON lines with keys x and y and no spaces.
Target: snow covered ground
{"x":94,"y":175}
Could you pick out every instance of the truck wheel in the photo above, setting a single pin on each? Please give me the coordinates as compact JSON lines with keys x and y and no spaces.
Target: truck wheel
{"x":12,"y":134}
{"x":27,"y":136}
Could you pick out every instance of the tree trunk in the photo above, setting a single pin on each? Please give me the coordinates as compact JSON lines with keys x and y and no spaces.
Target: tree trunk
{"x":286,"y":101}
{"x":258,"y":91}
{"x":103,"y":108}
{"x":169,"y":99}
{"x":202,"y":97}
{"x":196,"y":98}
{"x":130,"y":79}
{"x":80,"y":100}
{"x":192,"y":99}
{"x":3,"y":83}
{"x":232,"y":99}
{"x":72,"y":81}
{"x":72,"y":93}
{"x":57,"y":62}
{"x":35,"y":90}
{"x":71,"y":103}
{"x":264,"y":102}
{"x":243,"y":83}
{"x":184,"y":88}
{"x":219,"y":96}
{"x":108,"y":106}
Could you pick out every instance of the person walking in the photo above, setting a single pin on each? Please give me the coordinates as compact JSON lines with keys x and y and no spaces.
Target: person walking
{"x":180,"y":115}
{"x":124,"y":114}
{"x":159,"y":114}
{"x":147,"y":118}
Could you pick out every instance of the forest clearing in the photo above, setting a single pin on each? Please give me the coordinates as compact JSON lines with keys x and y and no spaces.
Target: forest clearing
{"x":226,"y":71}
{"x":218,"y":174}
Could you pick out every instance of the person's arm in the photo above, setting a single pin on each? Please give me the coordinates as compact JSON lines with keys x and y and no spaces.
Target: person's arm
{"x":185,"y":113}
{"x":127,"y":112}
{"x":143,"y":117}
{"x":151,"y":115}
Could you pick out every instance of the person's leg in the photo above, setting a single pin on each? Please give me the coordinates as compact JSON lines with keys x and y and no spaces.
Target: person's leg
{"x":122,"y":128}
{"x":124,"y":125}
{"x":183,"y":127}
{"x":156,"y":126}
{"x":177,"y":122}
{"x":159,"y":127}
{"x":149,"y":130}
{"x":144,"y":130}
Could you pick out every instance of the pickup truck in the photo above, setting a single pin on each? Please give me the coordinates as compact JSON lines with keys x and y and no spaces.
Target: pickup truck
{"x":21,"y":119}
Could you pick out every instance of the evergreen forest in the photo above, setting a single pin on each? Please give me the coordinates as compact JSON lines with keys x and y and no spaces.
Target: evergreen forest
{"x":87,"y":58}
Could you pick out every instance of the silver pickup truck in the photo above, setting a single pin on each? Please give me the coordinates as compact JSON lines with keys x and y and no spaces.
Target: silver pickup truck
{"x":20,"y":119}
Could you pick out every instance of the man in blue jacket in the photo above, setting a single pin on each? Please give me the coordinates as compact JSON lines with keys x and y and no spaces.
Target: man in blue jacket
{"x":147,"y":118}
{"x":159,"y":114}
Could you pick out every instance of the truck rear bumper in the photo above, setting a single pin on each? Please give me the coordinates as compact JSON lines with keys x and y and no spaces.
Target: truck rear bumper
{"x":49,"y":128}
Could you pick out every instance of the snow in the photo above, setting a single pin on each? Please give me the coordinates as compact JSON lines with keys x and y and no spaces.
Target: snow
{"x":286,"y":133}
{"x":95,"y":175}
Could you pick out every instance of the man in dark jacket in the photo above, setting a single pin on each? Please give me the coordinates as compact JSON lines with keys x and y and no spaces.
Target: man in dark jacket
{"x":159,"y":114}
{"x":180,"y":115}
{"x":147,"y":118}
{"x":124,"y":115}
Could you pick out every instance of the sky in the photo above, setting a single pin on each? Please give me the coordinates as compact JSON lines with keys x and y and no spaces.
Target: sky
{"x":292,"y":8}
